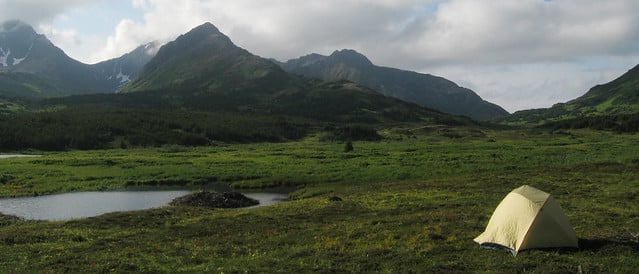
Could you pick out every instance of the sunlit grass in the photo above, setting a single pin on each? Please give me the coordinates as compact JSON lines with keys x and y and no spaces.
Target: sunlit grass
{"x":409,"y":204}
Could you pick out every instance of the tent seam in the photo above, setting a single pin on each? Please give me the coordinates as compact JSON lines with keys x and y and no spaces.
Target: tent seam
{"x":531,"y":224}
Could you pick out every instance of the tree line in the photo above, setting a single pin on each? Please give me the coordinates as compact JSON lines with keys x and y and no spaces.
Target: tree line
{"x":625,"y":123}
{"x":101,"y":128}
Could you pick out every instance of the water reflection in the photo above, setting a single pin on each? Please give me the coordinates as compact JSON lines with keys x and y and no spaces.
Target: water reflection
{"x":88,"y":204}
{"x":6,"y":156}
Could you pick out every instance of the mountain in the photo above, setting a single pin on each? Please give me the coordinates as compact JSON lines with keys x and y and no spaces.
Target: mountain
{"x":423,"y":89}
{"x":51,"y":71}
{"x":117,"y":72}
{"x":206,"y":59}
{"x":32,"y":66}
{"x":618,"y":97}
{"x":17,"y":42}
{"x":203,"y":69}
{"x":617,"y":100}
{"x":202,"y":89}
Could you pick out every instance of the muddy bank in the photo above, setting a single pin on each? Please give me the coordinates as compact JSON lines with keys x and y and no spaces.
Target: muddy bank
{"x":215,"y":200}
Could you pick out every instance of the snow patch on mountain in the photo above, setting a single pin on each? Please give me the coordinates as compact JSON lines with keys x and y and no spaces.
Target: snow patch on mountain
{"x":4,"y":56}
{"x":17,"y":61}
{"x":123,"y":77}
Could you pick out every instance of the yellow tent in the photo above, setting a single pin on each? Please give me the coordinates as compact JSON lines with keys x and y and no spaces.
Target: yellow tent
{"x":528,"y":218}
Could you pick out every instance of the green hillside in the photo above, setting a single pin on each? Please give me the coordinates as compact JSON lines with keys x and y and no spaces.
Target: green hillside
{"x":163,"y":117}
{"x":621,"y":96}
{"x":206,"y":60}
{"x":21,"y":84}
{"x":8,"y":106}
{"x":614,"y":105}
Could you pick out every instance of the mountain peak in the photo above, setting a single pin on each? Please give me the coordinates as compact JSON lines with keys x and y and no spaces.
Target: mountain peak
{"x":206,"y":29}
{"x":423,"y":89}
{"x":208,"y":26}
{"x":206,"y":35}
{"x":16,"y":26}
{"x":206,"y":60}
{"x":351,"y":56}
{"x":16,"y":41}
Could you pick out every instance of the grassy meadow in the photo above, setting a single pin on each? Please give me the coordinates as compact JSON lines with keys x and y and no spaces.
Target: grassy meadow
{"x":411,"y":202}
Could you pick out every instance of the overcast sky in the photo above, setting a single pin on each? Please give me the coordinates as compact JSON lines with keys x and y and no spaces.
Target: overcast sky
{"x":520,"y":54}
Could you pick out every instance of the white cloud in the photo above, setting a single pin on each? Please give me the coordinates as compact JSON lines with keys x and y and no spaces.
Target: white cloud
{"x":404,"y":32}
{"x":277,"y":28}
{"x":534,"y":85}
{"x":139,"y":3}
{"x":36,"y":12}
{"x":510,"y":32}
{"x":410,"y":34}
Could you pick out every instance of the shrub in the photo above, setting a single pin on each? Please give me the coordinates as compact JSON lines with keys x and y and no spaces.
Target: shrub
{"x":348,"y":147}
{"x":352,"y":133}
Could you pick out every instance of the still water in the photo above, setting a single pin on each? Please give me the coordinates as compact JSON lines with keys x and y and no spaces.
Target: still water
{"x":6,"y":156}
{"x":88,"y":204}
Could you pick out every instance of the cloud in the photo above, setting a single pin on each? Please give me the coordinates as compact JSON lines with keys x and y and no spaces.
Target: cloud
{"x":36,"y":12}
{"x":535,"y":85}
{"x":411,"y":34}
{"x":139,"y":3}
{"x":276,"y":28}
{"x":511,"y":32}
{"x":41,"y":14}
{"x":69,"y":36}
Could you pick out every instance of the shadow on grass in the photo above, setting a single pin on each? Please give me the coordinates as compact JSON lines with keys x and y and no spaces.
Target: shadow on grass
{"x":594,"y":245}
{"x":601,"y":244}
{"x":6,"y":220}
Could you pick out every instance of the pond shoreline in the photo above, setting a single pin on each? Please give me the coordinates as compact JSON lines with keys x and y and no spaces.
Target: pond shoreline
{"x":7,"y":156}
{"x":75,"y":205}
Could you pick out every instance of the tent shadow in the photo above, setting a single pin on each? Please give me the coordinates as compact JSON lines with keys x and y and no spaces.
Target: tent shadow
{"x":601,"y":243}
{"x":598,"y":244}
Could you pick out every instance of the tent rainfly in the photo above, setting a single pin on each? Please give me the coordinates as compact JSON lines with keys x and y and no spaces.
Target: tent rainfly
{"x":528,"y":218}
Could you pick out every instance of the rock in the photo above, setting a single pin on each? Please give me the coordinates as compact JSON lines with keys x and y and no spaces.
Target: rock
{"x":215,"y":200}
{"x":335,"y":199}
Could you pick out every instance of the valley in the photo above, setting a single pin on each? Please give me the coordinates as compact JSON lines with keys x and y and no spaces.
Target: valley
{"x":408,"y":203}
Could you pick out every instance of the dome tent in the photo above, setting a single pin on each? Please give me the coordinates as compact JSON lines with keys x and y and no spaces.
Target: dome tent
{"x":528,"y":218}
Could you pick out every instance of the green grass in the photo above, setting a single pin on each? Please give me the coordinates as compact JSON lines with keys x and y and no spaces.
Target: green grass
{"x":411,"y":203}
{"x":8,"y":107}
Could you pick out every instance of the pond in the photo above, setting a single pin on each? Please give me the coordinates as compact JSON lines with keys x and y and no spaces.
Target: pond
{"x":75,"y":205}
{"x":6,"y":156}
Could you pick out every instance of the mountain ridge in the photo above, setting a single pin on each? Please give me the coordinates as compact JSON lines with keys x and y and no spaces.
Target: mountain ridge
{"x":121,"y":70}
{"x":204,"y":63}
{"x":617,"y":98}
{"x":423,"y":89}
{"x":32,"y":66}
{"x":185,"y":62}
{"x":44,"y":70}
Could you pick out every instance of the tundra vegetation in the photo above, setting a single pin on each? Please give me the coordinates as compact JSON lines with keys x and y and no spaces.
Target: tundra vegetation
{"x":411,"y":201}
